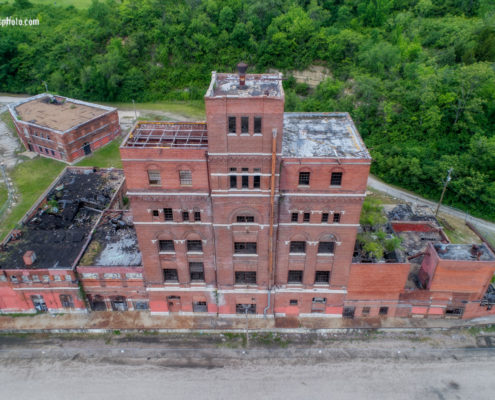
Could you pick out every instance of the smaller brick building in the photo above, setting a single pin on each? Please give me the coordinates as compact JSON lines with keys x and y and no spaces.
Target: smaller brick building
{"x":62,"y":128}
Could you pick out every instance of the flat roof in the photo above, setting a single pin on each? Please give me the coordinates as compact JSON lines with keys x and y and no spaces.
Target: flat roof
{"x":257,"y":85}
{"x":59,"y":228}
{"x":114,"y":242}
{"x":189,"y":135}
{"x":57,"y":112}
{"x":331,"y":135}
{"x":464,"y":252}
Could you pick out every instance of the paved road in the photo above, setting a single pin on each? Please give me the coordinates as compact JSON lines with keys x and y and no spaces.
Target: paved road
{"x":412,"y":198}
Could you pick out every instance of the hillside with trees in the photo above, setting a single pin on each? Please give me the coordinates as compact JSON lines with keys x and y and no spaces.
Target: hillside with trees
{"x":417,"y":76}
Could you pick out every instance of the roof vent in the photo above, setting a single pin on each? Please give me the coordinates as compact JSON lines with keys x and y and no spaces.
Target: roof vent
{"x":29,"y":258}
{"x":241,"y":69}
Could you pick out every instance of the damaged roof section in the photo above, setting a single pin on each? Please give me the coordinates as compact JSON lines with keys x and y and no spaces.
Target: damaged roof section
{"x":55,"y":233}
{"x":331,"y":135}
{"x":188,"y":135}
{"x":255,"y":85}
{"x":114,"y":242}
{"x":464,"y":252}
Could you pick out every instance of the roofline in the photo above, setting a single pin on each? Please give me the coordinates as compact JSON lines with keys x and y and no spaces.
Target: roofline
{"x":12,"y":109}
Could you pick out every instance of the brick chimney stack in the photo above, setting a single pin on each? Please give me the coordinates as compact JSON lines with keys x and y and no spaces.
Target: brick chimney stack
{"x":29,"y":258}
{"x":241,"y":69}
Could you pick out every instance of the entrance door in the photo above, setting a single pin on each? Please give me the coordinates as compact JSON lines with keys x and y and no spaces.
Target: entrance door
{"x":173,"y":304}
{"x":87,"y":148}
{"x":97,"y":303}
{"x":30,"y":147}
{"x":39,"y":303}
{"x":119,"y":303}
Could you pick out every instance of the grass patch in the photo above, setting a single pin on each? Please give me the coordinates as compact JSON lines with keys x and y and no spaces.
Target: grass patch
{"x":476,"y":330}
{"x":105,"y":157}
{"x":7,"y":120}
{"x":31,"y":178}
{"x":191,"y":109}
{"x":269,"y":339}
{"x":81,"y":4}
{"x":4,"y":194}
{"x":94,"y":249}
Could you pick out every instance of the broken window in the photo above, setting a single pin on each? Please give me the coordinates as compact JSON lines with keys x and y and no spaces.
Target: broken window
{"x":244,"y":124}
{"x":366,"y":311}
{"x":170,"y":275}
{"x":14,"y":279}
{"x":200,"y":306}
{"x":383,"y":311}
{"x":155,"y":213}
{"x":293,"y":302}
{"x":322,"y":277}
{"x":336,"y":218}
{"x":245,"y":308}
{"x":233,"y":181}
{"x":245,"y":218}
{"x":166,"y":245}
{"x":326,"y":247}
{"x":304,"y":178}
{"x":294,"y":217}
{"x":256,"y":181}
{"x":168,"y":215}
{"x":245,"y":247}
{"x":39,"y":303}
{"x":185,"y":215}
{"x":348,"y":312}
{"x":295,"y":277}
{"x":197,"y":216}
{"x":232,"y":125}
{"x":66,"y":301}
{"x":257,"y":124}
{"x":306,"y":217}
{"x":154,"y":177}
{"x":185,"y":177}
{"x":298,"y":247}
{"x":245,"y":182}
{"x":36,"y":278}
{"x":324,"y":217}
{"x":245,"y":277}
{"x":97,"y":303}
{"x":196,"y":270}
{"x":336,"y":179}
{"x":194,"y":245}
{"x":454,"y":311}
{"x":119,"y":303}
{"x":141,"y":305}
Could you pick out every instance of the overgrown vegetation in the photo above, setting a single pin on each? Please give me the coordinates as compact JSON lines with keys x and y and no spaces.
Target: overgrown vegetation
{"x":416,"y":75}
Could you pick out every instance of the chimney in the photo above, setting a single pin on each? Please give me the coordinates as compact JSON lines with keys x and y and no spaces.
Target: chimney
{"x":241,"y":69}
{"x":29,"y":258}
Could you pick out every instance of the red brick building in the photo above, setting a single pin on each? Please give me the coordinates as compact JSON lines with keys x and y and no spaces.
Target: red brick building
{"x":62,"y":128}
{"x":254,"y":211}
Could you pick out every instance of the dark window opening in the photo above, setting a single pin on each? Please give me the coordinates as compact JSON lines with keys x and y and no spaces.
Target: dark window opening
{"x":366,"y":311}
{"x":168,"y":215}
{"x":233,"y":169}
{"x":336,"y":179}
{"x":245,"y":277}
{"x":293,"y":302}
{"x":306,"y":217}
{"x":245,"y":182}
{"x":197,"y":216}
{"x":326,"y":247}
{"x":454,"y":311}
{"x":196,"y":269}
{"x":245,"y":308}
{"x":295,"y":277}
{"x":66,"y":301}
{"x":245,"y":169}
{"x":294,"y":217}
{"x":322,"y":277}
{"x":232,"y":125}
{"x":324,"y":217}
{"x":245,"y":247}
{"x":185,"y":215}
{"x":119,"y":303}
{"x":166,"y":245}
{"x":170,"y":275}
{"x":245,"y":218}
{"x":336,"y":217}
{"x":97,"y":303}
{"x":194,"y":245}
{"x":233,"y":181}
{"x":154,"y":177}
{"x":155,"y":213}
{"x":348,"y":312}
{"x":141,"y":305}
{"x":256,"y":181}
{"x":304,"y":178}
{"x":244,"y":124}
{"x":257,"y":124}
{"x":298,"y":247}
{"x":383,"y":311}
{"x":200,"y":306}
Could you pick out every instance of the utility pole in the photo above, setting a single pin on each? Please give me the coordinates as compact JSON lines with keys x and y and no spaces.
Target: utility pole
{"x":46,"y":86}
{"x":135,"y":114}
{"x":444,"y":189}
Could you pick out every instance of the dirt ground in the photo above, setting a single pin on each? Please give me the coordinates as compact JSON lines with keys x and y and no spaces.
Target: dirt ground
{"x":332,"y":366}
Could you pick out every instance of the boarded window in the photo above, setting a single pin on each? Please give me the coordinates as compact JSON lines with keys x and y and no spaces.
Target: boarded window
{"x":244,"y":124}
{"x":166,"y":245}
{"x":185,"y":177}
{"x":326,"y":247}
{"x":232,"y":125}
{"x":168,"y":215}
{"x":257,"y":124}
{"x":194,"y":245}
{"x":322,"y":277}
{"x":245,"y":247}
{"x":336,"y":179}
{"x":170,"y":275}
{"x":245,"y":277}
{"x":154,"y":177}
{"x":196,"y":269}
{"x":298,"y":247}
{"x":295,"y":277}
{"x":304,"y":178}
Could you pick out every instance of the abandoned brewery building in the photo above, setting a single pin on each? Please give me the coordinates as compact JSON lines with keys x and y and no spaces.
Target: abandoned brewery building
{"x":62,"y":128}
{"x":253,"y":211}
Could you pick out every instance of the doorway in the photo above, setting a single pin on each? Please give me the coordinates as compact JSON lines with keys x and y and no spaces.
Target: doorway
{"x":87,"y":149}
